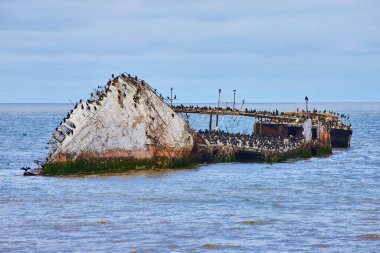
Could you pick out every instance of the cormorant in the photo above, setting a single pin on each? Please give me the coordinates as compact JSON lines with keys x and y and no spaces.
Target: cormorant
{"x":25,"y":169}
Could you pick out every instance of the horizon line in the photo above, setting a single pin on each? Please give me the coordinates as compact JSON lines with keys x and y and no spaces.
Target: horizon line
{"x":211,"y":102}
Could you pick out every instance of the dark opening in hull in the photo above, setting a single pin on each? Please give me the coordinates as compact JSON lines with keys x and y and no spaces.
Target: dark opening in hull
{"x":340,"y":138}
{"x":249,"y":156}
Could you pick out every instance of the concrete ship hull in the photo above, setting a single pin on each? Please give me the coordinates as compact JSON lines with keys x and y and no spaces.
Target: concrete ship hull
{"x":124,"y":125}
{"x":127,"y":125}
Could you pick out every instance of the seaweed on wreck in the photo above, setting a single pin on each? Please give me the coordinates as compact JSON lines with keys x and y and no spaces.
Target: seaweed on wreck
{"x":301,"y":154}
{"x":321,"y":151}
{"x":90,"y":167}
{"x":324,"y":151}
{"x":114,"y":165}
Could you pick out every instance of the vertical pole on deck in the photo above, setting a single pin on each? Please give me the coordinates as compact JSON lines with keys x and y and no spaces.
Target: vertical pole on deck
{"x":233,"y":107}
{"x":210,"y":125}
{"x":171,"y":96}
{"x":217,"y":115}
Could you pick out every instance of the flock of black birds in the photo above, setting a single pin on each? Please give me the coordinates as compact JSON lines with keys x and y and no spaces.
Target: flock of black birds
{"x":338,"y":125}
{"x":329,"y":124}
{"x":274,"y":121}
{"x":213,"y":137}
{"x":259,"y":143}
{"x":67,"y":127}
{"x":274,"y":112}
{"x":260,"y":113}
{"x":325,"y":112}
{"x":230,"y":109}
{"x":96,"y":97}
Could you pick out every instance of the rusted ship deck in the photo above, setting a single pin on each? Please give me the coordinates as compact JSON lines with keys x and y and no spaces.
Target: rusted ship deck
{"x":283,"y":124}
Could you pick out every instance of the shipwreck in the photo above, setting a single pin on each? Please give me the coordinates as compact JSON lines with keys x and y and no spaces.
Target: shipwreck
{"x":127,"y":124}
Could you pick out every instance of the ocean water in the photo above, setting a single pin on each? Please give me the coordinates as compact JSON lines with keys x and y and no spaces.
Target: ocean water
{"x":317,"y":205}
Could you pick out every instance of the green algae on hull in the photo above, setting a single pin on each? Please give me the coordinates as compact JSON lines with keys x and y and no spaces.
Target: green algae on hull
{"x":303,"y":154}
{"x":321,"y":151}
{"x":83,"y":167}
{"x":120,"y":165}
{"x":111,"y":166}
{"x":324,"y":151}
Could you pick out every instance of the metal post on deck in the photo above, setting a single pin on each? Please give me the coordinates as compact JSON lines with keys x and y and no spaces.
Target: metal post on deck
{"x":233,"y":107}
{"x":210,"y":125}
{"x":217,"y":115}
{"x":171,"y":96}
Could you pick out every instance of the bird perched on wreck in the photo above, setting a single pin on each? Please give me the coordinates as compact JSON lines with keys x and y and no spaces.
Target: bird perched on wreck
{"x":25,"y":169}
{"x":27,"y":172}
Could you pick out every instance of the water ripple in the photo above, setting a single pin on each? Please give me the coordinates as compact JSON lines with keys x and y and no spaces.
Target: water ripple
{"x":328,"y":204}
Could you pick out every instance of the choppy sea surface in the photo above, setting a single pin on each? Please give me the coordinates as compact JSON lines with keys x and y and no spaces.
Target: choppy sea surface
{"x":317,"y":205}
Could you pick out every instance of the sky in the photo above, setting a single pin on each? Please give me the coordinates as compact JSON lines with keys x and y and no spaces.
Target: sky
{"x":269,"y":51}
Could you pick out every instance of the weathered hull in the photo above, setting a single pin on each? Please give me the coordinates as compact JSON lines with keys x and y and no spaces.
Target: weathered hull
{"x":124,"y":124}
{"x":127,"y":125}
{"x":275,"y":130}
{"x":340,"y":138}
{"x":303,"y":152}
{"x":123,"y":154}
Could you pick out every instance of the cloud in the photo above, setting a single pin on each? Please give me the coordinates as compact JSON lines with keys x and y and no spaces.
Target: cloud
{"x":281,"y":43}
